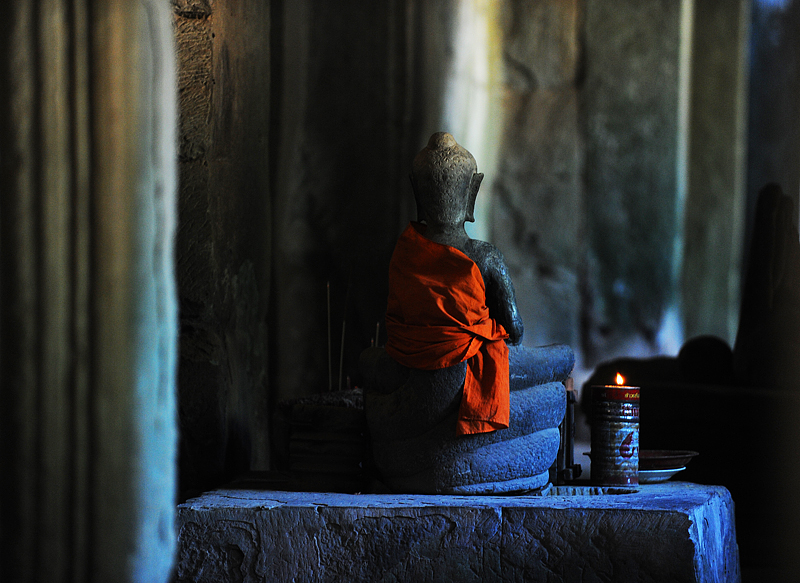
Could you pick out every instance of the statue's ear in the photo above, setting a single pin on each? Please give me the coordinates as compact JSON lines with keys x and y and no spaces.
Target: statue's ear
{"x":420,"y":211}
{"x":472,"y":195}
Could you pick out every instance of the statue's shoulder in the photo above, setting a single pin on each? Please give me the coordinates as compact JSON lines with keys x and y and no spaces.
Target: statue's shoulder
{"x":478,"y":246}
{"x":484,"y":254}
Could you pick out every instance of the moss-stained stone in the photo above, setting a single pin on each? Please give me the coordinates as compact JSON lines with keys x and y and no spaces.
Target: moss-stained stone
{"x":342,"y":195}
{"x":537,"y":210}
{"x":630,"y":120}
{"x":192,"y":8}
{"x":536,"y":193}
{"x":715,"y":218}
{"x":195,"y":50}
{"x":541,"y":43}
{"x":224,"y":236}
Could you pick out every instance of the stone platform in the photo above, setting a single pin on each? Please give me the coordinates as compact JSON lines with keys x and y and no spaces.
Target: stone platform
{"x":672,"y":532}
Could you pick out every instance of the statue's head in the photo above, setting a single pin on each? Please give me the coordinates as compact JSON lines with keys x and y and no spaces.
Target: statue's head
{"x":445,"y":182}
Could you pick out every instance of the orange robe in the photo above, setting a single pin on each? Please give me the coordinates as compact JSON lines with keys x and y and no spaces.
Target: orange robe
{"x":437,"y":317}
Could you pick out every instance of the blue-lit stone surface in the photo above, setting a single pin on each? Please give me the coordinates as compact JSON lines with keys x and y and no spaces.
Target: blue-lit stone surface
{"x":663,"y":532}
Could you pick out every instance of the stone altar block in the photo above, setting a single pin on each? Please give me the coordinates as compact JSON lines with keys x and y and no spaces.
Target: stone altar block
{"x":672,"y":532}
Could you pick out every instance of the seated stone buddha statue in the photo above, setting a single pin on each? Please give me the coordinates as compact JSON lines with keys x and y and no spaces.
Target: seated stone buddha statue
{"x":453,"y":402}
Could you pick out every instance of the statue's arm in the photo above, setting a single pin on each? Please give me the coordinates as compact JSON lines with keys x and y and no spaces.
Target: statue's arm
{"x":500,"y":296}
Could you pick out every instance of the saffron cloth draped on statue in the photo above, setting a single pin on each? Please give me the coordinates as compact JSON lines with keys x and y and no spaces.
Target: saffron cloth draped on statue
{"x":437,"y":317}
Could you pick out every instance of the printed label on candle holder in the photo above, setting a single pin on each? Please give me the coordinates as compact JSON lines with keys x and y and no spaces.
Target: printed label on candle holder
{"x":626,"y":448}
{"x":613,"y":393}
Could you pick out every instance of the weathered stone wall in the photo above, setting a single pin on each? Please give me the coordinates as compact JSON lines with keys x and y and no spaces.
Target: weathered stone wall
{"x":619,"y":193}
{"x":774,"y":107}
{"x":345,"y":136}
{"x":537,"y":196}
{"x":223,"y":243}
{"x":713,"y":238}
{"x":630,"y":118}
{"x":585,"y":200}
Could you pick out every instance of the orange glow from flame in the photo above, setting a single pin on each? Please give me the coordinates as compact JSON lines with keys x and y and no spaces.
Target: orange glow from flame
{"x":620,"y":379}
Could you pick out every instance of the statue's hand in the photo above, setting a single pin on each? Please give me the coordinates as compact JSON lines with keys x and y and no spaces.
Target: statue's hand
{"x":500,"y":296}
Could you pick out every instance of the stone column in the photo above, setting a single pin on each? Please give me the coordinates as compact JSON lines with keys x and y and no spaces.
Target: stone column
{"x":87,"y":300}
{"x":537,"y":196}
{"x":223,"y":245}
{"x":774,"y":106}
{"x":715,"y":194}
{"x":630,"y":108}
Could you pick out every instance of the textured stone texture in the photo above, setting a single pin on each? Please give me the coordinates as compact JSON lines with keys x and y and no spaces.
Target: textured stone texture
{"x":540,"y":43}
{"x":582,"y":191}
{"x":223,"y":240}
{"x":539,"y":365}
{"x":671,"y":532}
{"x":342,"y":194}
{"x":536,"y":190}
{"x":399,"y":408}
{"x":715,"y":197}
{"x":361,"y":91}
{"x":505,"y":465}
{"x":537,"y":210}
{"x":773,"y":141}
{"x":88,"y":308}
{"x":532,"y":410}
{"x":630,"y":104}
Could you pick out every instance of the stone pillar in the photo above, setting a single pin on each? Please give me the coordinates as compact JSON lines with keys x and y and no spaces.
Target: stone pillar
{"x":774,"y":107}
{"x":87,"y":301}
{"x":630,"y":109}
{"x":223,"y":247}
{"x":537,"y":195}
{"x":774,"y":156}
{"x":715,"y":194}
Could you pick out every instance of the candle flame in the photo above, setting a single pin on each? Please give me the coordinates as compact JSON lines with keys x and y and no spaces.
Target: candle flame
{"x":620,"y":379}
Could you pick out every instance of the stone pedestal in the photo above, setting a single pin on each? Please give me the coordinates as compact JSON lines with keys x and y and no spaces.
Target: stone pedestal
{"x":662,"y":532}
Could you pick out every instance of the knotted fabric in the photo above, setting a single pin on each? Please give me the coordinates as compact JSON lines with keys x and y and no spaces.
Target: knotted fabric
{"x":437,"y":317}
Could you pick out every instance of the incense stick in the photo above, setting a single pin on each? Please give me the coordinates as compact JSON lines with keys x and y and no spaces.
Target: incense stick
{"x":344,"y":323}
{"x":341,"y":355}
{"x":330,"y":363}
